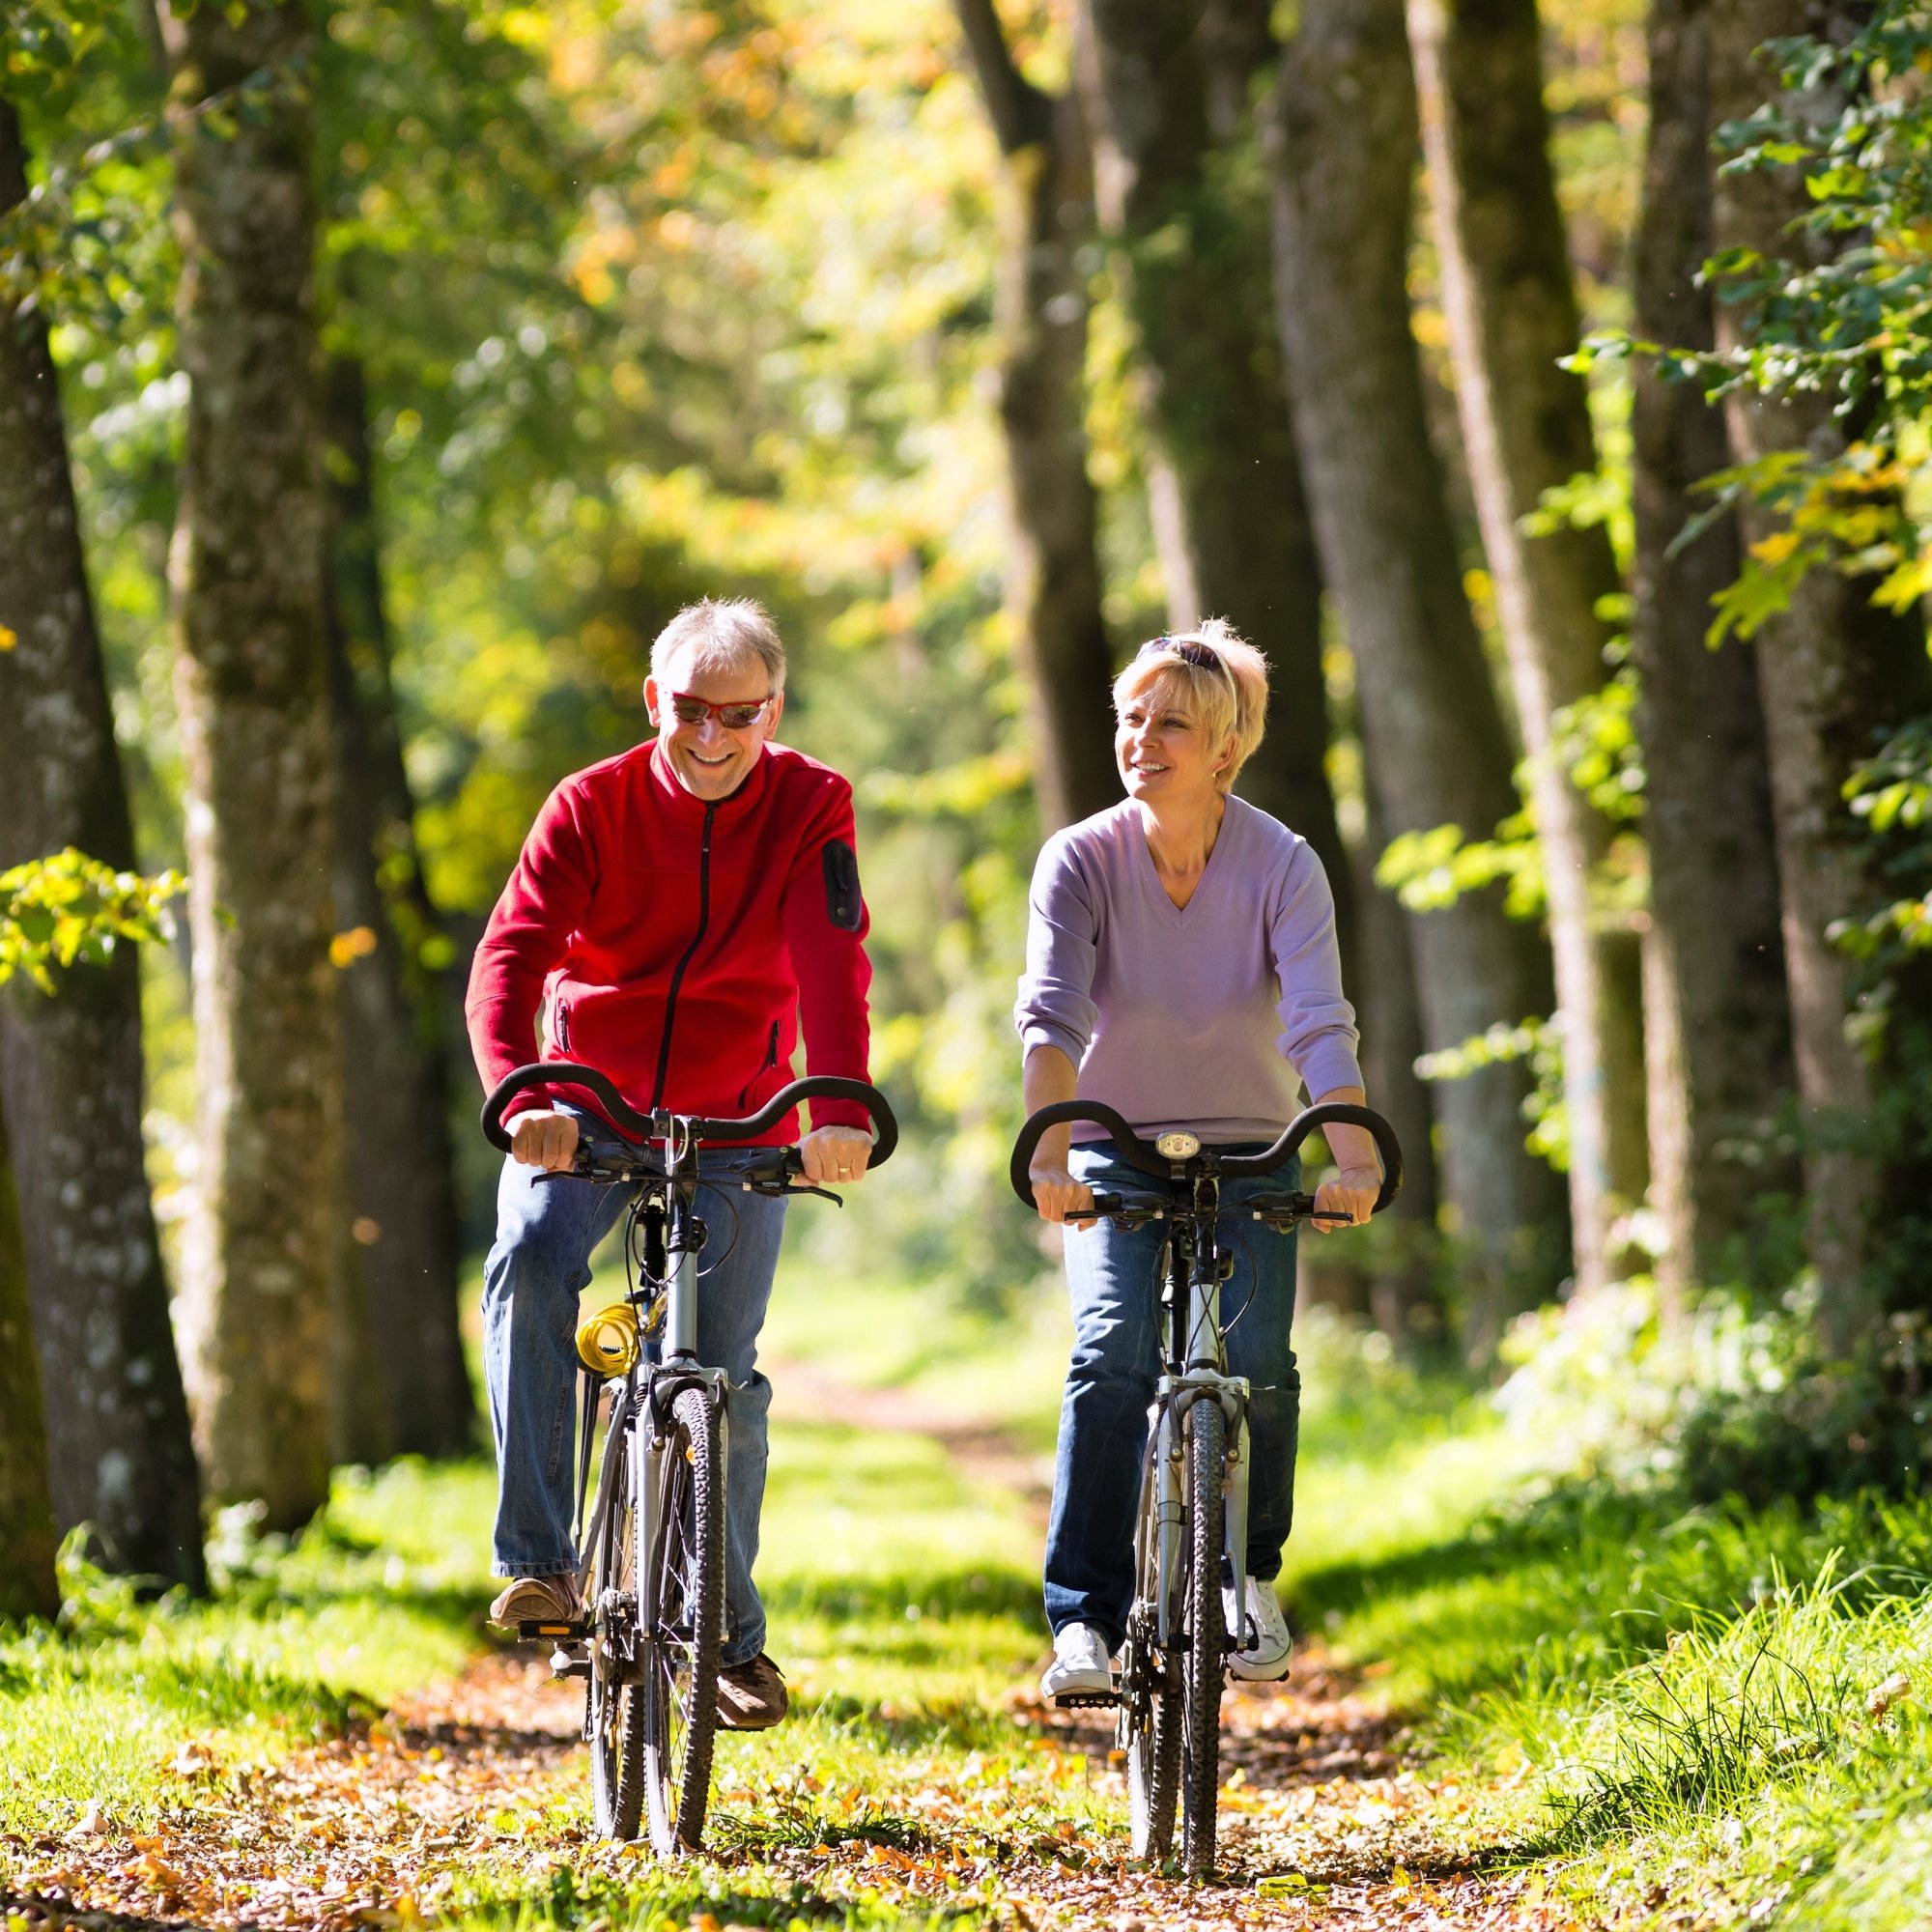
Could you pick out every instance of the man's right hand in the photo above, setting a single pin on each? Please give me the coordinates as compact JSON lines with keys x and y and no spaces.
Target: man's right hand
{"x":1057,"y":1194}
{"x":544,"y":1139}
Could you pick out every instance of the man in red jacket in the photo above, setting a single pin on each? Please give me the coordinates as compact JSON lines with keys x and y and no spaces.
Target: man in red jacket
{"x":675,"y":909}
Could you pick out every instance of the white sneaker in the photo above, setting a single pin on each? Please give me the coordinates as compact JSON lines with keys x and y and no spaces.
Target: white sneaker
{"x":1080,"y":1666}
{"x":1265,"y":1660}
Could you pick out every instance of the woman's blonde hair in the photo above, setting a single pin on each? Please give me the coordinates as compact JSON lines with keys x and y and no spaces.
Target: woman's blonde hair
{"x":1226,"y":696}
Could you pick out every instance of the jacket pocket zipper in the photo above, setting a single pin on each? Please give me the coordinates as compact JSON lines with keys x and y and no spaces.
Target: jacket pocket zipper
{"x":771,"y":1061}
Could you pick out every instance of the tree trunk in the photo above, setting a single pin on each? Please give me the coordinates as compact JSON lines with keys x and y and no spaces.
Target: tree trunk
{"x":1832,"y":673}
{"x":1512,"y":314}
{"x":396,"y":1099}
{"x":27,"y":1537}
{"x":70,"y":1070}
{"x":1403,"y":1292}
{"x":1055,"y":584}
{"x":1435,"y":746}
{"x":1190,"y":219}
{"x":248,"y":570}
{"x":1717,"y":1024}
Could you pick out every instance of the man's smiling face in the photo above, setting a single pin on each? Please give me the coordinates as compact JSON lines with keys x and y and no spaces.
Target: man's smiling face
{"x":709,"y":758}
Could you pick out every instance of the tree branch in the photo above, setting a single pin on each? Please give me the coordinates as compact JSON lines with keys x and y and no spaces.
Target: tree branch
{"x":1021,"y":115}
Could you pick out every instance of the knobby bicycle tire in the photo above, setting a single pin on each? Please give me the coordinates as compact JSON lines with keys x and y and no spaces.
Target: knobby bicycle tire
{"x":1205,"y":1429}
{"x":679,"y":1692}
{"x":614,"y":1721}
{"x":1150,"y":1687}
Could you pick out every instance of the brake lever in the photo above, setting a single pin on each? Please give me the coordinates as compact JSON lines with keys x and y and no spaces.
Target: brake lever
{"x":806,"y":1187}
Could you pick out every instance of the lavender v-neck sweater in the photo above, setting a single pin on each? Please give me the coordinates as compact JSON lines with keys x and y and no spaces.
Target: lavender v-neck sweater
{"x":1188,"y":1018}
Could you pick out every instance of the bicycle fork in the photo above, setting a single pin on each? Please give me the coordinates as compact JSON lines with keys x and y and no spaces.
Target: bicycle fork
{"x":1175,"y":1395}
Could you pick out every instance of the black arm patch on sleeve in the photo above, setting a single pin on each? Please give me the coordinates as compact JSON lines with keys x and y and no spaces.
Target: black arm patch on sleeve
{"x":843,"y":906}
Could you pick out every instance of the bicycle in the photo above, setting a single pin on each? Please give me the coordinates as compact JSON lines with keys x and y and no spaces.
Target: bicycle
{"x":651,"y":1561}
{"x":1192,"y":1521}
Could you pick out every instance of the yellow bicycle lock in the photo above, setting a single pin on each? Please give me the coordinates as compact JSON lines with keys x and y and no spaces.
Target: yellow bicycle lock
{"x":607,"y":1342}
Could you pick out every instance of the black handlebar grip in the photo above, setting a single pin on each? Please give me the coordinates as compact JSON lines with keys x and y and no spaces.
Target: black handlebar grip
{"x":1134,"y":1151}
{"x":622,"y":1116}
{"x":1345,"y":1113}
{"x":820,"y":1086}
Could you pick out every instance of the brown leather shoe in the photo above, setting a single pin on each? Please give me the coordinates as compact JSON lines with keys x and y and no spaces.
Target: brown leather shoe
{"x":751,"y":1695}
{"x":537,"y":1599}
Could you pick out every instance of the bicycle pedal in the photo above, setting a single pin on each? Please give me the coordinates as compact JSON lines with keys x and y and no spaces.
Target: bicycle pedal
{"x":568,"y":1662}
{"x":555,"y":1627}
{"x":1087,"y":1700}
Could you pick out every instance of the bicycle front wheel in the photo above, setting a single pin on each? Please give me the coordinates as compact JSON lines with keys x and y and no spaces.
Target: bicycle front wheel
{"x":614,"y":1725}
{"x":1150,"y":1722}
{"x":680,"y":1642}
{"x":1205,"y":1437}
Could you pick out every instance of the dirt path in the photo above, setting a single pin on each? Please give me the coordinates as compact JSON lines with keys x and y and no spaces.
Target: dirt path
{"x":1325,"y":1822}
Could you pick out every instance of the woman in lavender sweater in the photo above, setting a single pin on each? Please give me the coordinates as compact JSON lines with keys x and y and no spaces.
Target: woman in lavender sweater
{"x":1181,"y":967}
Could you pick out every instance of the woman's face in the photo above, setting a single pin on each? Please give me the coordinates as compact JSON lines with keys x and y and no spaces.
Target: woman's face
{"x":1161,"y":749}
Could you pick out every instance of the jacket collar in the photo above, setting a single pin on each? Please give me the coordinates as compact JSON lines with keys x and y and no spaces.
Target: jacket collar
{"x":685,"y":809}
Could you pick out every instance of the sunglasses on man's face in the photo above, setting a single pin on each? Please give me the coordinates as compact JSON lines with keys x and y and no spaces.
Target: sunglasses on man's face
{"x":690,"y":710}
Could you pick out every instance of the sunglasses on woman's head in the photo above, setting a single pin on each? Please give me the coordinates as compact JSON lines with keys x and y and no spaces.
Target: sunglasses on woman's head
{"x":1183,"y":648}
{"x":690,"y":710}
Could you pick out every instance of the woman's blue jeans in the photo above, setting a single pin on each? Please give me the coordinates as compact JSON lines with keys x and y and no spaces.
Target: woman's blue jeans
{"x":1114,"y":1276}
{"x":536,"y":1270}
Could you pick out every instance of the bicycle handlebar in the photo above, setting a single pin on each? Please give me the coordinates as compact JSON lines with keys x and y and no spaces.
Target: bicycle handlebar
{"x":1143,"y":1154}
{"x":634,"y":1125}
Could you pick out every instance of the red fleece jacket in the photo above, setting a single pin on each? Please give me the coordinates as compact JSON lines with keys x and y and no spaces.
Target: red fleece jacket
{"x":677,"y":940}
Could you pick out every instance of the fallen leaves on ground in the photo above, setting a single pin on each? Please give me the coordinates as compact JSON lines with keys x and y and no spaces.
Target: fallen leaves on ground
{"x":1323,"y":1824}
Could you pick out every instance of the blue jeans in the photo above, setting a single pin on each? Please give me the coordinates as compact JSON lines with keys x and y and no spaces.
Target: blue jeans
{"x":1114,"y":1276}
{"x":536,"y":1270}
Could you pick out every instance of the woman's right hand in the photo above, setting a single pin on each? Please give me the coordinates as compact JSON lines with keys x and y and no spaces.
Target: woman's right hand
{"x":1057,"y":1194}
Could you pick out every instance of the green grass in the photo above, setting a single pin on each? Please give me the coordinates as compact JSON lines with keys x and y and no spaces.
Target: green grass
{"x":385,"y":1590}
{"x":1671,"y":1710}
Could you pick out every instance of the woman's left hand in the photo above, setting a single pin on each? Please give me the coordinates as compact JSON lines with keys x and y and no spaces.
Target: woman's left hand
{"x":1351,"y":1192}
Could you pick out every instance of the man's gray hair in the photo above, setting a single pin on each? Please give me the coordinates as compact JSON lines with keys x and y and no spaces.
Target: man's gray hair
{"x":728,"y":633}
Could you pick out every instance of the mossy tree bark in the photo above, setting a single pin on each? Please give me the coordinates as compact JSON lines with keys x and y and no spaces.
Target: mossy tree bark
{"x":247,"y":571}
{"x":1043,"y":305}
{"x":71,"y":1067}
{"x":1717,"y":1023}
{"x":1512,"y":314}
{"x":396,"y":1107}
{"x":1188,"y":214}
{"x":1345,"y":149}
{"x":27,"y":1584}
{"x":1834,"y":674}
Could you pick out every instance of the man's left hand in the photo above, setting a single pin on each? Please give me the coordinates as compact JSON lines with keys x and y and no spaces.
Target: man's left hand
{"x":1352,"y":1192}
{"x":835,"y":1156}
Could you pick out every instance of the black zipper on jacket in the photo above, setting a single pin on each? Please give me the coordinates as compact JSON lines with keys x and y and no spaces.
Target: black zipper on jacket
{"x":696,"y":940}
{"x":771,"y":1061}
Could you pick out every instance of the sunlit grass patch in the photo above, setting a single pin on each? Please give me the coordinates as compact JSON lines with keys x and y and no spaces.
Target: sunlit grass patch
{"x":897,"y":1581}
{"x":381,"y":1593}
